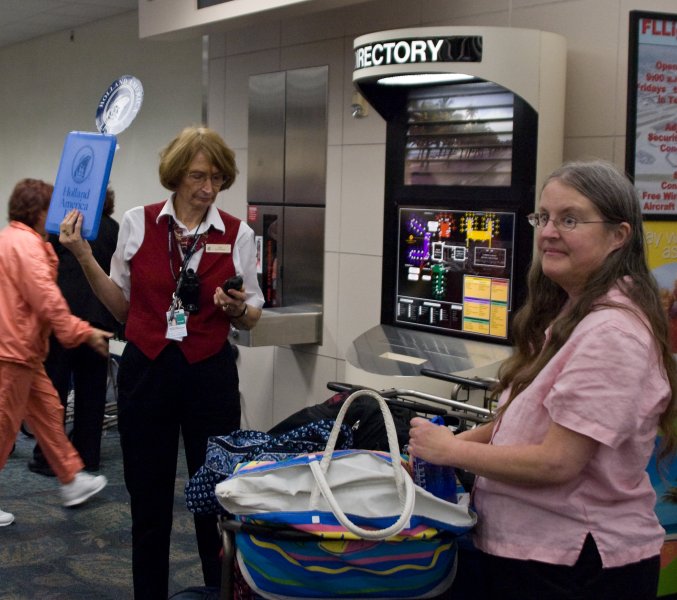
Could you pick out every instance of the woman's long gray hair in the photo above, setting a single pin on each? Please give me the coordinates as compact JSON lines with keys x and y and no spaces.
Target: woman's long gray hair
{"x":615,"y":198}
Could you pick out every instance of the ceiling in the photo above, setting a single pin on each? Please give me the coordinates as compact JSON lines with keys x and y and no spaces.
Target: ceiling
{"x":22,"y":20}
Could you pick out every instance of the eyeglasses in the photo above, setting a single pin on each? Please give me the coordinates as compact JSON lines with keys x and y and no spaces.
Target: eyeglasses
{"x":562,"y":224}
{"x":200,"y":178}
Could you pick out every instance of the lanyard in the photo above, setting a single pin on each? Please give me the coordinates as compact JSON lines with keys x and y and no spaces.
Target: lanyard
{"x":186,"y":259}
{"x":189,"y":253}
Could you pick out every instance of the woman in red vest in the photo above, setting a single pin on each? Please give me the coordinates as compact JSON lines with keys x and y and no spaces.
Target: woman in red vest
{"x":177,"y":373}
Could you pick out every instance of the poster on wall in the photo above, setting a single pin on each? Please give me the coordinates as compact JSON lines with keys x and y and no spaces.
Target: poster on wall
{"x":651,"y":145}
{"x":661,"y":244}
{"x":651,"y":134}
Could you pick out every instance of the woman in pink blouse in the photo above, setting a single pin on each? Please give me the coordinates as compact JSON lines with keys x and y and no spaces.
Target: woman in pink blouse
{"x":565,"y":506}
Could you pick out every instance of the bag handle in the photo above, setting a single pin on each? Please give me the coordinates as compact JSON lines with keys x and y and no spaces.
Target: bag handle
{"x":403,"y":483}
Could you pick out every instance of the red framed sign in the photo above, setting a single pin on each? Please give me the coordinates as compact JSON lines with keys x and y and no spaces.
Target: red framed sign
{"x":651,"y":134}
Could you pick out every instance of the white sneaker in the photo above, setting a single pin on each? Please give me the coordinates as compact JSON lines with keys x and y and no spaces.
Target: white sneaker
{"x":83,"y":487}
{"x":6,"y":518}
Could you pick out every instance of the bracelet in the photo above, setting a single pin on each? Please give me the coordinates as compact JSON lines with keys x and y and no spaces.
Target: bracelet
{"x":242,"y":314}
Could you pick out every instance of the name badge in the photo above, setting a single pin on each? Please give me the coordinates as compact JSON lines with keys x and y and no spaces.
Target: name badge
{"x":218,"y":248}
{"x":176,"y":325}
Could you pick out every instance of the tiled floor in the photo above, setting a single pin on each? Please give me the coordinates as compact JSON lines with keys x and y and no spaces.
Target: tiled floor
{"x":84,"y":552}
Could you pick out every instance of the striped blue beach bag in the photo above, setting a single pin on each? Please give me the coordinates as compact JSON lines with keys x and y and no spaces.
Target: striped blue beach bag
{"x":342,"y":524}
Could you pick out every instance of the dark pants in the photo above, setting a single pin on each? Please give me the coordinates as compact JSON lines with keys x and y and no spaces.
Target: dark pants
{"x":156,"y":400}
{"x":88,"y":372}
{"x":508,"y":579}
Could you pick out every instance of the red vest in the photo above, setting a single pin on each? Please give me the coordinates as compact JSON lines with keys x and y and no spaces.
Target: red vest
{"x":152,"y":286}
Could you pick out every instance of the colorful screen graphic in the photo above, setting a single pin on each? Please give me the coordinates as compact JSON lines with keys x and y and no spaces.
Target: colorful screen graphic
{"x":455,"y":270}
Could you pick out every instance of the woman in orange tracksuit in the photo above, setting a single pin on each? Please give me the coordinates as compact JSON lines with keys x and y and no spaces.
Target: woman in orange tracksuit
{"x":31,"y":307}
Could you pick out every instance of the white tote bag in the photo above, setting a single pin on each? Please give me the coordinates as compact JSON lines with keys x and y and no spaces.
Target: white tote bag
{"x":368,"y":493}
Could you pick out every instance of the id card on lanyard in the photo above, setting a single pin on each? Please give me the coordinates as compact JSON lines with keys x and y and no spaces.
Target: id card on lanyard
{"x":177,"y":318}
{"x":177,"y":321}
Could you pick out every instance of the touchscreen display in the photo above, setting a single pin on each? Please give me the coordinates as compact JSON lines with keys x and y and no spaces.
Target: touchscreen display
{"x":455,"y":270}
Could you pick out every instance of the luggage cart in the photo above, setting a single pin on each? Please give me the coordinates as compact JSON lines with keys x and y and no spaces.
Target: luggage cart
{"x":457,"y":413}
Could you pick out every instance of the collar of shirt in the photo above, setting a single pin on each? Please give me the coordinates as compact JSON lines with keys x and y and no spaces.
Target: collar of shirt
{"x":20,"y":225}
{"x":213,"y":218}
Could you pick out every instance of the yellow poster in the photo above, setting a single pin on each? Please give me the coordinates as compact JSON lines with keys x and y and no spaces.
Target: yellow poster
{"x":661,"y":244}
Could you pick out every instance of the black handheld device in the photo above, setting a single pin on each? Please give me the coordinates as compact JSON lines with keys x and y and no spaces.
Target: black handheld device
{"x":232,"y":283}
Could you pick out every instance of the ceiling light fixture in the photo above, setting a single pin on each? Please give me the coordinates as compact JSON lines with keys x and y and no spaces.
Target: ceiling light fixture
{"x":424,"y":78}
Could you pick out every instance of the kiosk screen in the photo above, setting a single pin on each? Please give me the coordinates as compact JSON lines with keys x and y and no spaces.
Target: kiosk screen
{"x":460,"y":135}
{"x":455,"y":270}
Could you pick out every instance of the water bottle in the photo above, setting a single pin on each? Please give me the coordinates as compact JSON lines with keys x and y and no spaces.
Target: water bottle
{"x":439,"y":480}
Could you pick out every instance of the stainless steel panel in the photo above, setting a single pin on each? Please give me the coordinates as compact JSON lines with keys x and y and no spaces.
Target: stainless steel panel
{"x":265,"y":165}
{"x":303,"y":264}
{"x":284,"y":326}
{"x":286,"y":195}
{"x":398,"y":352}
{"x":306,"y":136}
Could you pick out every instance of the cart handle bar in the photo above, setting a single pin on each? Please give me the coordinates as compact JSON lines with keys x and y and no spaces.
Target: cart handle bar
{"x":397,"y":392}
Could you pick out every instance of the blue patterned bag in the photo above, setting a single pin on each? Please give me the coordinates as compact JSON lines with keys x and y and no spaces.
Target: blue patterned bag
{"x":275,"y":567}
{"x":224,"y":453}
{"x":368,"y":530}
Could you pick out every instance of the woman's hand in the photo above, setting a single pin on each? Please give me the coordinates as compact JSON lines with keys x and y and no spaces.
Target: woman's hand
{"x":232,"y":303}
{"x":560,"y":457}
{"x":431,"y":442}
{"x":98,"y":341}
{"x":70,"y":235}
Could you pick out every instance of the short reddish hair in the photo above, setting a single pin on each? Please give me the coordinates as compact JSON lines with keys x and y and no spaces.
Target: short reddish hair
{"x":179,"y":153}
{"x":29,"y":199}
